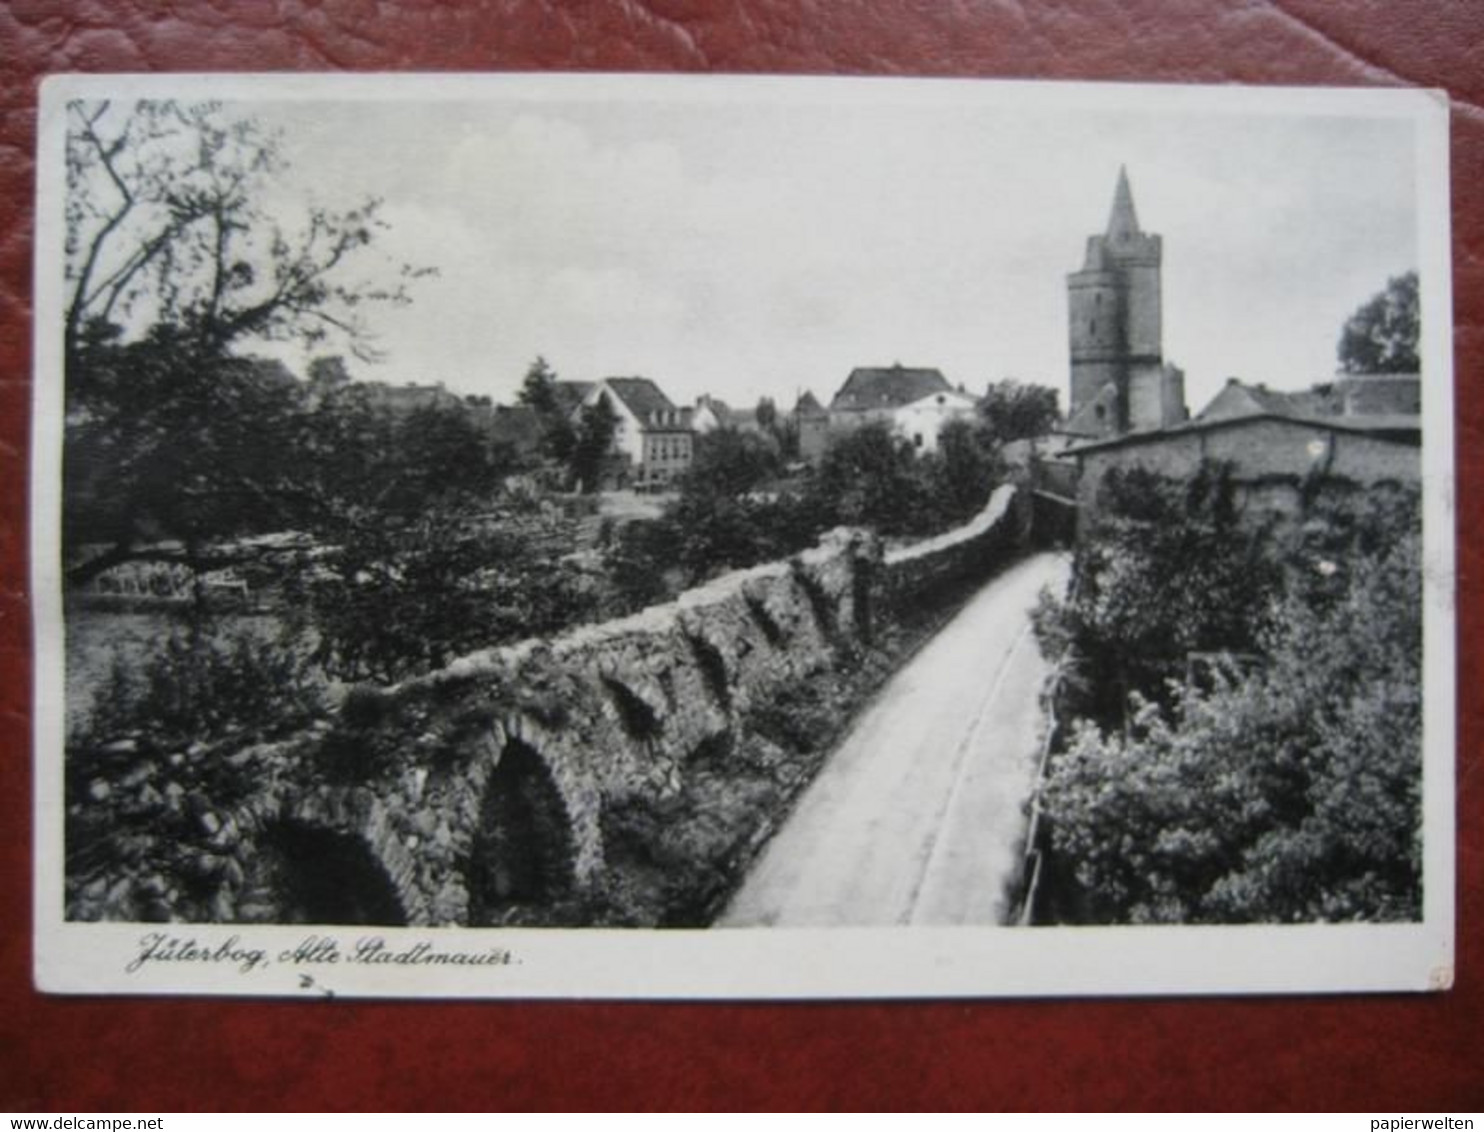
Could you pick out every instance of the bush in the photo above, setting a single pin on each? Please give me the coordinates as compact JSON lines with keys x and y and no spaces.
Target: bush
{"x":870,"y":477}
{"x":407,"y":598}
{"x":1170,"y":569}
{"x":732,"y":512}
{"x":206,"y":682}
{"x":724,"y":518}
{"x":1291,"y":793}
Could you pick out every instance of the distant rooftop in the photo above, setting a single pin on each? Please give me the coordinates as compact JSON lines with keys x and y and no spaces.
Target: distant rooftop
{"x":647,"y":402}
{"x":888,"y":387}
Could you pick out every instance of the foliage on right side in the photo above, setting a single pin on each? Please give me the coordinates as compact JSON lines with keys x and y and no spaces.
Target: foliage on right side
{"x":1279,"y":780}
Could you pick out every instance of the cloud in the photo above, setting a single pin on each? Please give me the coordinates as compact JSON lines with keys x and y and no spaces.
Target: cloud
{"x":751,"y":250}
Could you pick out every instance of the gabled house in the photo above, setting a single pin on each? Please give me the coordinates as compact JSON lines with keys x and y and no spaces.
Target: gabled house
{"x":922,"y":421}
{"x":916,"y":402}
{"x":655,"y":437}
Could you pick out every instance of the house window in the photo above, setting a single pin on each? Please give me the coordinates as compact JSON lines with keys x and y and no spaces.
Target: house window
{"x":917,"y":440}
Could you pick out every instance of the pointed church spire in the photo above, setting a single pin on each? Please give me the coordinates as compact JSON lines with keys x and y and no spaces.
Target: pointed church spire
{"x":1123,"y":222}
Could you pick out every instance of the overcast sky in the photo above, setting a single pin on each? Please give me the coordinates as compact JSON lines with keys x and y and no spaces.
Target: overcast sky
{"x":747,"y":247}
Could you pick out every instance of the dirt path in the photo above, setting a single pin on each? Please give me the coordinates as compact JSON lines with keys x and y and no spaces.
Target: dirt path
{"x":918,"y":816}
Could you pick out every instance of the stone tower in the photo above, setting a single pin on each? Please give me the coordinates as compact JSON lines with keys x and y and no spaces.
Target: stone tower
{"x":1119,"y":380}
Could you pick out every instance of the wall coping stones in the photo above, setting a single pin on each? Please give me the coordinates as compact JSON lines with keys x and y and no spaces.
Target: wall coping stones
{"x":979,"y":525}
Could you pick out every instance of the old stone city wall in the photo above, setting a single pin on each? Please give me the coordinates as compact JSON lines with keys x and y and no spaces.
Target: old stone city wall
{"x":509,"y":782}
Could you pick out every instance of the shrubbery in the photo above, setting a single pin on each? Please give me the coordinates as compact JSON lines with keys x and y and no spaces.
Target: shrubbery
{"x":202,"y":683}
{"x":1278,"y":781}
{"x":735,"y":508}
{"x":1171,"y":569}
{"x":409,"y":597}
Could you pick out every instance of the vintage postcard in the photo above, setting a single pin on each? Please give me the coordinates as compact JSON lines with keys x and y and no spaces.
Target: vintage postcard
{"x":561,"y":536}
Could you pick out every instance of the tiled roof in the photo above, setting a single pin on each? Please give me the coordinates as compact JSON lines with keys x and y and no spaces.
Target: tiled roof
{"x":1308,"y":403}
{"x":642,"y":396}
{"x":887,"y":387}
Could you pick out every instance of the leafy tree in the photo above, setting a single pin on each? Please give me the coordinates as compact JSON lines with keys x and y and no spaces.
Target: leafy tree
{"x":328,"y":375}
{"x":1014,"y":410}
{"x":1287,"y":794}
{"x":1382,"y":336}
{"x":347,"y":442}
{"x":869,"y":477}
{"x":711,"y":534}
{"x":171,"y":447}
{"x":408,"y":596}
{"x":173,"y":268}
{"x":1170,"y":569}
{"x":539,"y":392}
{"x":439,"y":450}
{"x":721,"y":519}
{"x":766,"y":413}
{"x":592,"y":443}
{"x":962,"y":472}
{"x":731,"y":463}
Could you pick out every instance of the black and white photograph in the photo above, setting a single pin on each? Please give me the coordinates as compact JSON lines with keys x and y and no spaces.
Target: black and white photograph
{"x":741,"y":537}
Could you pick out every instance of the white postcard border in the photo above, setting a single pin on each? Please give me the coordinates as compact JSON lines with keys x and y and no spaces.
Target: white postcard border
{"x":75,"y":957}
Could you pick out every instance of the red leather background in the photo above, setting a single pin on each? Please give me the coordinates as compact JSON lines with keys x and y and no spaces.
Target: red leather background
{"x":1367,"y":1053}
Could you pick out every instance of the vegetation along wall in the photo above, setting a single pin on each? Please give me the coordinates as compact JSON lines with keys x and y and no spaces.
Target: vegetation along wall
{"x":621,"y":773}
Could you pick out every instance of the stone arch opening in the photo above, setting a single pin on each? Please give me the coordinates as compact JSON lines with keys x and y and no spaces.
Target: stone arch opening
{"x":713,"y":668}
{"x":523,"y":852}
{"x":772,"y":632}
{"x":640,"y":722}
{"x":820,"y":605}
{"x":862,"y":581}
{"x":316,"y":875}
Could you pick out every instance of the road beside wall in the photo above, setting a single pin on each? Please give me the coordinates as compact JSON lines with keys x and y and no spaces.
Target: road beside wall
{"x":918,"y":815}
